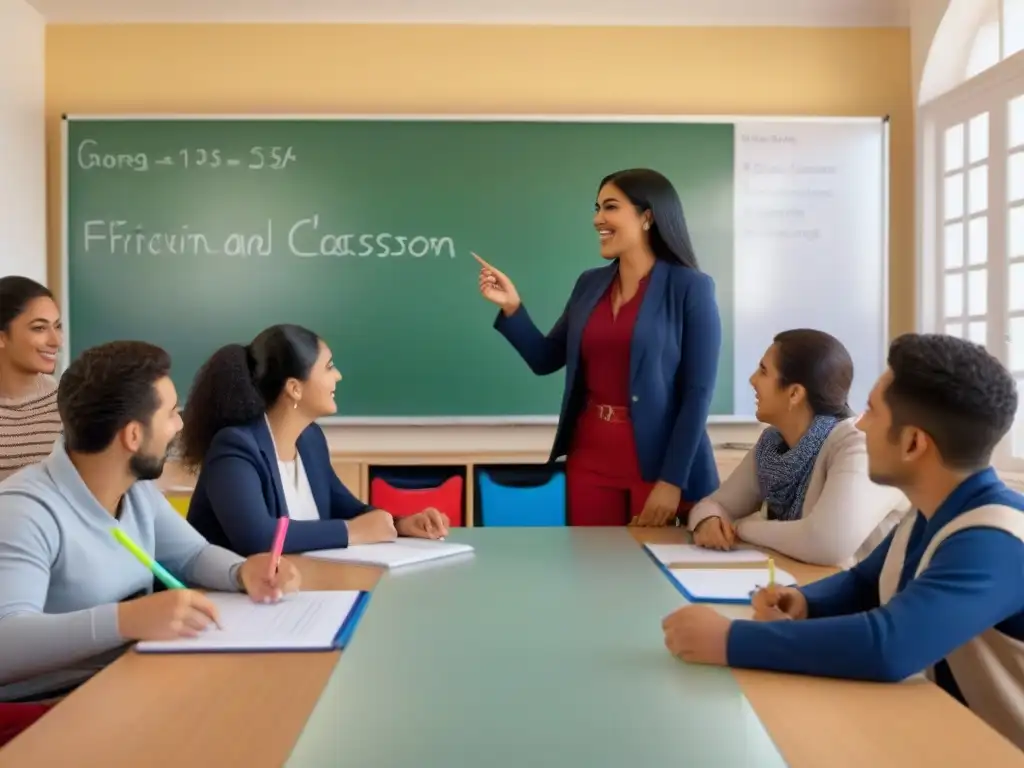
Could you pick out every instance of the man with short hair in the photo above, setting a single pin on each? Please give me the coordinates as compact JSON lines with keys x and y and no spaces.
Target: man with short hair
{"x":71,"y":596}
{"x":944,"y":593}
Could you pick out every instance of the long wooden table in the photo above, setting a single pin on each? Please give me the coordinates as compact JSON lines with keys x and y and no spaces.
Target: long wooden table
{"x":307,"y":709}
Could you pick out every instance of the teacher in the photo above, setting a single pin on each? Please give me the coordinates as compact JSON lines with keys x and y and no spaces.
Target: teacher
{"x":640,"y":340}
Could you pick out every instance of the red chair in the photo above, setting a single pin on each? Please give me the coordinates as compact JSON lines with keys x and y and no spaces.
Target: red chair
{"x":446,"y":497}
{"x":15,"y":718}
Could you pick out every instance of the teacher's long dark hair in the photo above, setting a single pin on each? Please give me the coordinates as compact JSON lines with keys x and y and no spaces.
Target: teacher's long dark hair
{"x":239,"y":383}
{"x":650,"y":191}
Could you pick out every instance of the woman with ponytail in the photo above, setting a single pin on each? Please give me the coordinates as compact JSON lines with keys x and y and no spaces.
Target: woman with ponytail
{"x":803,"y":490}
{"x":250,"y":430}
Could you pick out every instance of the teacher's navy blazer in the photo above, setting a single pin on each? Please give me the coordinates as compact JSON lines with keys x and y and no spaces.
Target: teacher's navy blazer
{"x":673,"y":368}
{"x":239,"y":497}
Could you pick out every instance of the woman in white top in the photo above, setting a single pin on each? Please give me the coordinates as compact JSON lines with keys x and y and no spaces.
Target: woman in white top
{"x":803,"y":490}
{"x":250,"y":426}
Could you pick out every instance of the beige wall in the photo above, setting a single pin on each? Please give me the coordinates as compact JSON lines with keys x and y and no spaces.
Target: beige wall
{"x":337,"y":68}
{"x":23,"y":191}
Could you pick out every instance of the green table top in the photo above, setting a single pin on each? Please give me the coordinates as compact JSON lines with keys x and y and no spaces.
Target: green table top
{"x":543,"y":648}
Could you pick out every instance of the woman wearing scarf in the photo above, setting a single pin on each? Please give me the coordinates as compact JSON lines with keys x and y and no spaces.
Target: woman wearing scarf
{"x":803,"y":490}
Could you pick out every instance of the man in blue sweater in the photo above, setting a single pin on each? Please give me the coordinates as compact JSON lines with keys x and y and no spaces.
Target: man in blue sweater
{"x":71,"y":597}
{"x":944,"y":593}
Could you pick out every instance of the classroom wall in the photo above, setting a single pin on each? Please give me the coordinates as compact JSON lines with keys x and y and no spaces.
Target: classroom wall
{"x":394,"y":68}
{"x":22,"y":144}
{"x":925,"y":17}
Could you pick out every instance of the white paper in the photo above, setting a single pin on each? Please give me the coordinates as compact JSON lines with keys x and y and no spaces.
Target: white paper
{"x":669,"y":554}
{"x":300,"y":621}
{"x":711,"y":584}
{"x":393,"y":554}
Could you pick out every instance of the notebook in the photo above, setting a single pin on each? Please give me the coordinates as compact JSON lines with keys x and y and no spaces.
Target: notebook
{"x":301,"y":621}
{"x":671,"y":554}
{"x":722,"y":585}
{"x":393,"y":554}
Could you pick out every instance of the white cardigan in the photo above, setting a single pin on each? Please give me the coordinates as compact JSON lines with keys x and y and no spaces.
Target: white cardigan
{"x":845,"y":514}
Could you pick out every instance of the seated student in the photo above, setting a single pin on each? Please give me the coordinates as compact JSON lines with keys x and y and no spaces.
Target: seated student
{"x":31,"y":335}
{"x":945,"y":591}
{"x":71,"y":596}
{"x":250,"y":429}
{"x":803,"y":490}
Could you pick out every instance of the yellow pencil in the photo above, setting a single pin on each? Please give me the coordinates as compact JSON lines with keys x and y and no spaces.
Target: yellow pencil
{"x":771,"y":572}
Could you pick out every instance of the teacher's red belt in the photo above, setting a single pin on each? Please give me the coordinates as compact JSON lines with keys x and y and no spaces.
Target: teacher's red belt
{"x":609,"y":413}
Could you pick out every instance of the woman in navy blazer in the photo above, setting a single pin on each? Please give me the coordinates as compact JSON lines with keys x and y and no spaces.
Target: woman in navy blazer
{"x":250,"y":429}
{"x":640,"y":340}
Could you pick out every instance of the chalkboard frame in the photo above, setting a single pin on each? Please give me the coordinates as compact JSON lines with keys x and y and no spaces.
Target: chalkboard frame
{"x":517,"y":420}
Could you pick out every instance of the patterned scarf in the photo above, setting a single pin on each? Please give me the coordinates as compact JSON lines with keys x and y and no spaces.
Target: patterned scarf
{"x":783,"y":473}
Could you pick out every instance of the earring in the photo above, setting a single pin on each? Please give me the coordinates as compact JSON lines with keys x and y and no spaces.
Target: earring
{"x":646,"y":226}
{"x":295,"y":404}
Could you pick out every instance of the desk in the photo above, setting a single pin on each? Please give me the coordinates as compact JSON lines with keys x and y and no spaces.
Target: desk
{"x":545,"y":645}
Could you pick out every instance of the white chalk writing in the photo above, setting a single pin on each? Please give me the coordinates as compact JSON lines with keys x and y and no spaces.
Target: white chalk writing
{"x":304,"y":240}
{"x":301,"y":239}
{"x":90,"y":156}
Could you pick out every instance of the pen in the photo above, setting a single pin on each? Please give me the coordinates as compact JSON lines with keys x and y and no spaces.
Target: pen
{"x":771,"y":572}
{"x":278,"y":548}
{"x":158,"y":570}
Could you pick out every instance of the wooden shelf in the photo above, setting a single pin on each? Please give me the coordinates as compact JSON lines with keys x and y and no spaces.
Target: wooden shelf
{"x":355,"y":470}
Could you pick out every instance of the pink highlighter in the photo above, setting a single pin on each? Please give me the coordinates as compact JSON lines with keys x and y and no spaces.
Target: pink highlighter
{"x":275,"y":552}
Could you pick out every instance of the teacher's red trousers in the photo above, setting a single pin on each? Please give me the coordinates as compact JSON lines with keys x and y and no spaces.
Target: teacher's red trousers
{"x":603,"y":482}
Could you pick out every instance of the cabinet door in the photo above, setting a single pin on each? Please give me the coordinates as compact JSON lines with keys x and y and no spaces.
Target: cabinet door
{"x":351,"y":474}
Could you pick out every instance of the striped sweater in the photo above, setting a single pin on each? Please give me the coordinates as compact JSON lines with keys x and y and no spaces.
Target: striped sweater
{"x":29,"y":426}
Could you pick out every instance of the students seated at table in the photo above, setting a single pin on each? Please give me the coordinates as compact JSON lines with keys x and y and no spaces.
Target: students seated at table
{"x":31,"y":336}
{"x":944,"y":593}
{"x":803,"y":490}
{"x":71,"y":596}
{"x":250,"y":429}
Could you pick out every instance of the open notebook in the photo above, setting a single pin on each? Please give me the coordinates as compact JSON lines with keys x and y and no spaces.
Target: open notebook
{"x":691,"y":554}
{"x":723,"y":585}
{"x":393,"y":554}
{"x":302,"y":621}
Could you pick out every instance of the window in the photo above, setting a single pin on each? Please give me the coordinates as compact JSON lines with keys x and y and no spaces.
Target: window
{"x":999,"y":35}
{"x":965,"y":229}
{"x":985,"y":48}
{"x":1013,"y":27}
{"x":1015,"y":256}
{"x":973,"y":244}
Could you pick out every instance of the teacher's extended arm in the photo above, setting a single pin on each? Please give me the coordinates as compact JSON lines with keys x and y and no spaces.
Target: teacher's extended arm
{"x":698,"y":370}
{"x":544,"y":354}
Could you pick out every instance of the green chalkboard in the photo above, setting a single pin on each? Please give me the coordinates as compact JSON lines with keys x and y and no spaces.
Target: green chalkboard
{"x":191,"y":233}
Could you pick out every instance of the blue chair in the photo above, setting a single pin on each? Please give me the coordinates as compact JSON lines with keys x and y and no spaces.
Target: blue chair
{"x":525,"y":506}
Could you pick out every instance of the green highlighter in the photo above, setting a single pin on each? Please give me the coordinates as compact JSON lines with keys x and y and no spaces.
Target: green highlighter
{"x":158,"y":570}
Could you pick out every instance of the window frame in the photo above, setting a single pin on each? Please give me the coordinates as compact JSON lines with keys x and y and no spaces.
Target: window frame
{"x":990,"y":91}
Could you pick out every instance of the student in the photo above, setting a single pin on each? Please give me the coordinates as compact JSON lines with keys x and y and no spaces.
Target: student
{"x":71,"y":596}
{"x":640,"y":340}
{"x":31,"y":336}
{"x":250,"y":428}
{"x":808,"y":472}
{"x":944,"y":593}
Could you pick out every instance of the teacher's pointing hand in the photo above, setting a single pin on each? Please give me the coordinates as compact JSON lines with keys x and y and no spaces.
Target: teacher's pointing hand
{"x":497,"y":288}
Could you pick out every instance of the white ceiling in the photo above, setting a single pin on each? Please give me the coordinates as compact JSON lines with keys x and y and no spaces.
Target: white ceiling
{"x":816,"y":13}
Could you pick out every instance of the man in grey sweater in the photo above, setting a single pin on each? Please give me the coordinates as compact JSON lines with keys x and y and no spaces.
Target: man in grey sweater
{"x":71,"y":596}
